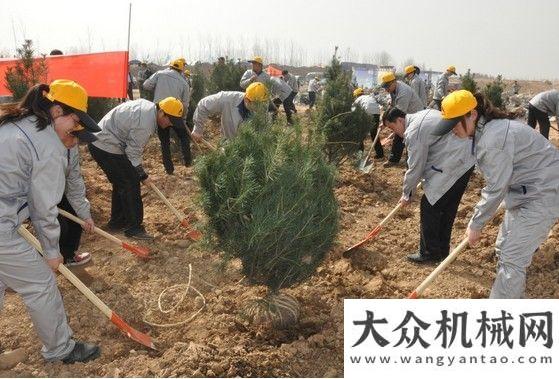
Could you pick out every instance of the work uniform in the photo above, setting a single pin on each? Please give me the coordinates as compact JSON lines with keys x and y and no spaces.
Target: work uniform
{"x":293,"y":83}
{"x":445,"y":165}
{"x":75,"y":202}
{"x":32,"y":165}
{"x":314,"y":87}
{"x":418,"y":86}
{"x":441,"y":90}
{"x":521,"y":167}
{"x":281,"y":90}
{"x":369,"y":104}
{"x":229,"y":105}
{"x":171,"y":83}
{"x":118,"y":150}
{"x":542,"y":106}
{"x":406,"y":100}
{"x":262,"y":77}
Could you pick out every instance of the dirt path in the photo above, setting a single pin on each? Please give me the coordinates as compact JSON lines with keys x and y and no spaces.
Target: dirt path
{"x":219,"y":342}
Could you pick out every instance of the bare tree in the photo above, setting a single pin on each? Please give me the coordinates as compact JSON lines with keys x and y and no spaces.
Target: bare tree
{"x":384,"y":59}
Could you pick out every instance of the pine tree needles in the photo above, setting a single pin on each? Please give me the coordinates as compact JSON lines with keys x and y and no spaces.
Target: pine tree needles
{"x":270,"y":202}
{"x":343,"y":129}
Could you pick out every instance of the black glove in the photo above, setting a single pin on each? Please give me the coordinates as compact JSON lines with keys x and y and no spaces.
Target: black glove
{"x":141,"y":173}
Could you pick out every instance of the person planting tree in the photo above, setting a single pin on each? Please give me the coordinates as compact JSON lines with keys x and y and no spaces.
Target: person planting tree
{"x":232,"y":106}
{"x":35,"y":135}
{"x":118,"y":151}
{"x":445,"y":165}
{"x":521,"y":167}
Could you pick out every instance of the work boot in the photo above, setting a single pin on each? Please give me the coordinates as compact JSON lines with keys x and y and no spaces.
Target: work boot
{"x":83,"y":352}
{"x":139,"y":234}
{"x":417,"y":257}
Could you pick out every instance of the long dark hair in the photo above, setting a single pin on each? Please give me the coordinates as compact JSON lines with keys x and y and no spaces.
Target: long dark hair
{"x":488,"y":111}
{"x":34,"y":103}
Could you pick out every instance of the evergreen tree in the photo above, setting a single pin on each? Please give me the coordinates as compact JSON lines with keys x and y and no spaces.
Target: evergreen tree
{"x":226,"y":77}
{"x":468,"y":82}
{"x":494,"y":92}
{"x":269,"y":199}
{"x":198,"y":92}
{"x":342,"y":128}
{"x":27,"y":71}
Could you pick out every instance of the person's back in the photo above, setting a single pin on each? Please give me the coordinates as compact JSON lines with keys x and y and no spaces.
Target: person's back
{"x":547,"y":102}
{"x":534,"y":160}
{"x":124,"y":125}
{"x":418,"y":87}
{"x":227,"y":105}
{"x":369,"y":104}
{"x":279,"y":88}
{"x":405,"y":99}
{"x":441,"y":89}
{"x":168,"y":83}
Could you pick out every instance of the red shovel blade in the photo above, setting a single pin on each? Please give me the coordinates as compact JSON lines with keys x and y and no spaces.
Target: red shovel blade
{"x":140,"y":251}
{"x":193,"y":234}
{"x":369,"y":237}
{"x":132,"y":333}
{"x":413,"y":295}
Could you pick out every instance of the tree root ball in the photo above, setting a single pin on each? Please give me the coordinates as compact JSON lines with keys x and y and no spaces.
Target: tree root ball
{"x":277,"y":310}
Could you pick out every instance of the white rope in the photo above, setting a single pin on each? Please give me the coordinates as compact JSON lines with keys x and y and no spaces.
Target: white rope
{"x":179,"y":302}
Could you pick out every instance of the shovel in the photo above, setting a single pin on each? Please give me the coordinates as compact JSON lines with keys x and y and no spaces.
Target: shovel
{"x":132,"y":333}
{"x":363,"y":167}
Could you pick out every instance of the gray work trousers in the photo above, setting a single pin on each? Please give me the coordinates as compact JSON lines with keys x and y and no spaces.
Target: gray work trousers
{"x":523,"y":230}
{"x":27,"y":273}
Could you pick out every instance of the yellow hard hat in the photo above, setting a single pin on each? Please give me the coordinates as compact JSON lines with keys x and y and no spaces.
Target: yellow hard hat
{"x":386,"y":78}
{"x":174,"y":109}
{"x":69,"y":93}
{"x":257,"y":92}
{"x":74,"y":96}
{"x":358,"y":92}
{"x":187,"y":72}
{"x":409,"y":69}
{"x":171,"y":106}
{"x":451,"y":69}
{"x":178,"y":64}
{"x":453,"y":107}
{"x":257,"y":59}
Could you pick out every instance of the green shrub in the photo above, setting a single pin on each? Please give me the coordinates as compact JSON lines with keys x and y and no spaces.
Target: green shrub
{"x":27,"y":71}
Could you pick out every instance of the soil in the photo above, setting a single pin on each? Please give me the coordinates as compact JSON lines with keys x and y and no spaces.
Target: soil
{"x":219,"y":341}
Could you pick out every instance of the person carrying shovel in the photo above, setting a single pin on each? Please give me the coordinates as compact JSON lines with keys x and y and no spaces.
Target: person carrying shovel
{"x":35,"y":135}
{"x":521,"y":167}
{"x":118,"y":151}
{"x":445,"y":165}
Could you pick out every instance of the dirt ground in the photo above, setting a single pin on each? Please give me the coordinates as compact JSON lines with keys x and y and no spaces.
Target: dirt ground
{"x":219,"y":342}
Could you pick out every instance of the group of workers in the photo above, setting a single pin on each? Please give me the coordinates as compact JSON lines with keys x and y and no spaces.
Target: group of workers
{"x":461,"y":130}
{"x":39,"y":171}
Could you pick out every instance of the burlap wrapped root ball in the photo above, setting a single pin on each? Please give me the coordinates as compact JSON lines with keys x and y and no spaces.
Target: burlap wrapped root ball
{"x":269,"y":200}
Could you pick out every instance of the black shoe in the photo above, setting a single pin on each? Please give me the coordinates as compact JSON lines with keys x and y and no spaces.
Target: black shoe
{"x":114,"y":227}
{"x":141,"y":235}
{"x":423,"y":258}
{"x":82,"y":352}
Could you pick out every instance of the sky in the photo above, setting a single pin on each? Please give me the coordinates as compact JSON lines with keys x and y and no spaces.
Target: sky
{"x":516,"y":38}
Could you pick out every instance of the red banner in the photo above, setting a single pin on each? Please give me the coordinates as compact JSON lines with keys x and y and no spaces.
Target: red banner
{"x":101,"y":74}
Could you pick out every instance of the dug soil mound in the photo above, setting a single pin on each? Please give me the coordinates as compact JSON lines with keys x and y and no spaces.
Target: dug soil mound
{"x":219,"y":341}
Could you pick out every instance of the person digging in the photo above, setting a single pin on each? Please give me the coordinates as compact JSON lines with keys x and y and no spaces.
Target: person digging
{"x":118,"y":150}
{"x":35,"y":135}
{"x":444,"y":165}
